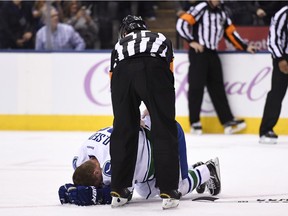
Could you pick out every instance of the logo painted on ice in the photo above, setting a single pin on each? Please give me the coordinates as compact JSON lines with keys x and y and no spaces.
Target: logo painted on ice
{"x":107,"y":168}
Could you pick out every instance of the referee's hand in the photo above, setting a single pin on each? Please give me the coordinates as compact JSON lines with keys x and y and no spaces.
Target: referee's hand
{"x":252,"y":49}
{"x":197,"y":47}
{"x":283,"y":66}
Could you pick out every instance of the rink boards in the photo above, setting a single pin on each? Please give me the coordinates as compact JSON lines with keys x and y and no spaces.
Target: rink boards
{"x":71,"y":91}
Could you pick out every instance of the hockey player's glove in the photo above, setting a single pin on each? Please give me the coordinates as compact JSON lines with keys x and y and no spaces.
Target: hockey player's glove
{"x":103,"y":195}
{"x":84,"y":195}
{"x":63,"y":193}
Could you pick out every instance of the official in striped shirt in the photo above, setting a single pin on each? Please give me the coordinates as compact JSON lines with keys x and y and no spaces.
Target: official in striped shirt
{"x":203,"y":26}
{"x":278,"y":47}
{"x":141,"y":70}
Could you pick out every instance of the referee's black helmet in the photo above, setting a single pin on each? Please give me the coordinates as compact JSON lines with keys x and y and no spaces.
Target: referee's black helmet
{"x":131,"y":23}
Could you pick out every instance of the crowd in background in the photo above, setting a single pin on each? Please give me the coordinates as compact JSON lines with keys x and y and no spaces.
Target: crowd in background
{"x":97,"y":22}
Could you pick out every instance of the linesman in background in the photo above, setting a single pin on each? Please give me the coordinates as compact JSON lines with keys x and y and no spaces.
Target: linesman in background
{"x":278,"y":47}
{"x":142,"y":70}
{"x":203,"y":26}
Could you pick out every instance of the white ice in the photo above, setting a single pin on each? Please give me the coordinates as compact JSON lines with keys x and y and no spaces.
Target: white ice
{"x":34,"y":165}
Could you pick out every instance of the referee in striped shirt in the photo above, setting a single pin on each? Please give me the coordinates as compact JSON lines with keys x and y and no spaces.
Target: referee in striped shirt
{"x":142,"y":70}
{"x":203,"y":26}
{"x":278,"y":47}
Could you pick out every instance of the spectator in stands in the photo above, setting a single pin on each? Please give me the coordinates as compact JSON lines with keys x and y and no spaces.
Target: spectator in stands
{"x":58,"y":5}
{"x":107,"y":14}
{"x":183,"y":6}
{"x":242,"y":13}
{"x":266,"y":9}
{"x":79,"y":17}
{"x":38,"y":9}
{"x":60,"y":37}
{"x":39,"y":6}
{"x":16,"y":25}
{"x":146,"y":9}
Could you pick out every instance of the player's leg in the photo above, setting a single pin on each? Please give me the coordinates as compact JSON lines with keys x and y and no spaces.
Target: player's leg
{"x":207,"y":174}
{"x":147,"y":189}
{"x":196,"y":177}
{"x":182,"y":152}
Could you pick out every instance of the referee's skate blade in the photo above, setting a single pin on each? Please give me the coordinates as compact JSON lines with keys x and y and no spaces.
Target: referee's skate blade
{"x":118,"y":202}
{"x":267,"y":140}
{"x":169,"y":203}
{"x":234,"y":129}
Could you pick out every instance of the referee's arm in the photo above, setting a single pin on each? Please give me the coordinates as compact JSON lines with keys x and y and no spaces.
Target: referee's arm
{"x":170,"y":54}
{"x":278,"y":40}
{"x":112,"y":62}
{"x":183,"y":26}
{"x":233,"y":37}
{"x":277,"y":26}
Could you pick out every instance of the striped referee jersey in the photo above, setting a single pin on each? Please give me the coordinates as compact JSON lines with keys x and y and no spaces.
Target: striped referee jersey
{"x":207,"y":25}
{"x":278,"y":34}
{"x":142,"y":42}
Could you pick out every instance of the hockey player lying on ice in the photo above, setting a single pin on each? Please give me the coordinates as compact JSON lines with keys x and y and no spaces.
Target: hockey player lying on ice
{"x":92,"y":176}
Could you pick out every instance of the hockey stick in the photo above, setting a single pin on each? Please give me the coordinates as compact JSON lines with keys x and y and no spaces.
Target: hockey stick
{"x":223,"y":200}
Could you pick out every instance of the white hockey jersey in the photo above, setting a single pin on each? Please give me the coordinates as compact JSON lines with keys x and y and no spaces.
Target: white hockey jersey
{"x":98,"y":145}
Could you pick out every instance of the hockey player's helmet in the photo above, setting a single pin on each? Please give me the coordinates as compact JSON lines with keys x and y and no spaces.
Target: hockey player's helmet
{"x":131,"y":23}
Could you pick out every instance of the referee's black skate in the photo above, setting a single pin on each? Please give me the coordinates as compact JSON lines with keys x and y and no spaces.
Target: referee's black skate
{"x":234,"y":126}
{"x":268,"y":138}
{"x":201,"y":188}
{"x":120,"y":197}
{"x":170,"y":199}
{"x":196,"y":128}
{"x":214,"y":183}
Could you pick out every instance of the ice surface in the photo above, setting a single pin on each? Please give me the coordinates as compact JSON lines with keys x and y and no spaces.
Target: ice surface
{"x":34,"y":165}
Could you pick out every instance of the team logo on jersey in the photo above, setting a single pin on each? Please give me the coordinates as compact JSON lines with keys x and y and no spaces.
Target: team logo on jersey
{"x":107,"y":168}
{"x":74,"y":162}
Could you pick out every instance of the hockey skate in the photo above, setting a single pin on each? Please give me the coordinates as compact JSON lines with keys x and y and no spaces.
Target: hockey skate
{"x":170,"y":199}
{"x":234,"y":126}
{"x":196,"y":128}
{"x":201,"y":188}
{"x":269,"y":138}
{"x":120,"y":197}
{"x":214,"y":183}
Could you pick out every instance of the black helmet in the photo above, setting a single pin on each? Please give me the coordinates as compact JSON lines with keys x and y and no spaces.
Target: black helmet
{"x":131,"y":23}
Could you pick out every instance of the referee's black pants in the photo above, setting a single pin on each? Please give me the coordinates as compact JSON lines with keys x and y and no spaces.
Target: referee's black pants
{"x":206,"y":70}
{"x":274,"y":100}
{"x":150,"y":80}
